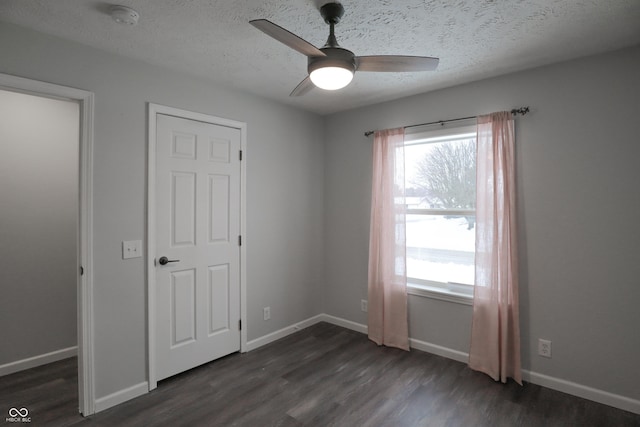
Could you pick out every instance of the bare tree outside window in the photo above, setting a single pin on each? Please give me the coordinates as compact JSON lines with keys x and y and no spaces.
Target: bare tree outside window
{"x":446,"y":177}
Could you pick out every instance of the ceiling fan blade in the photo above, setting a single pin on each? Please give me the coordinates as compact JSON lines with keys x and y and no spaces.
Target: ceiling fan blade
{"x":286,"y":37}
{"x":396,"y":63}
{"x":305,"y":86}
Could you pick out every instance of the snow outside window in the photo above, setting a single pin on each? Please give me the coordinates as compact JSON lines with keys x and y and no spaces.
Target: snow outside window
{"x":440,"y":183}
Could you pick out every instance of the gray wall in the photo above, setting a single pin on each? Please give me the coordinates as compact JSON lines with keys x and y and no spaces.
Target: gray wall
{"x":38,"y":223}
{"x":284,"y":191}
{"x":578,"y":210}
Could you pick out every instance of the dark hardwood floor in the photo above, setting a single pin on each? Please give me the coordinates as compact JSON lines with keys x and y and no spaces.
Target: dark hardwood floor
{"x":322,"y":376}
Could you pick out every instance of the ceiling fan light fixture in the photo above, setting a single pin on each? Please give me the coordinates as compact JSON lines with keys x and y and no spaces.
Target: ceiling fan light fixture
{"x":331,"y":78}
{"x":333,"y":71}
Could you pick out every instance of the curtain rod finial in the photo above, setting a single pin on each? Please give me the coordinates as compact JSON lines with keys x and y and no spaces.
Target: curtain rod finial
{"x":521,"y":110}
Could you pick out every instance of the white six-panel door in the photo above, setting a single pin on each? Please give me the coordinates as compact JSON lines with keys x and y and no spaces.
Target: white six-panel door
{"x":197,"y":194}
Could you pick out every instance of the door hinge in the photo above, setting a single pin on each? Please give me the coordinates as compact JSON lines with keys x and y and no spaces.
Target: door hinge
{"x":239,"y":240}
{"x":240,"y":155}
{"x":81,"y":270}
{"x":240,"y":324}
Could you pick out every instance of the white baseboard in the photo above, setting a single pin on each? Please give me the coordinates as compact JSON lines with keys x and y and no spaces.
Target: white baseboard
{"x":338,"y":321}
{"x":413,"y":343}
{"x":449,"y":353}
{"x":42,"y":359}
{"x":589,"y":393}
{"x":121,"y":396}
{"x":274,"y":336}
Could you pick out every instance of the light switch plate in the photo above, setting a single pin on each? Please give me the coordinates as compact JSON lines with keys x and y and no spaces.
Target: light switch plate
{"x":131,"y":249}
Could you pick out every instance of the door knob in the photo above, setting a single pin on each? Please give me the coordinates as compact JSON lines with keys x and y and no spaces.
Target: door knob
{"x":164,"y":260}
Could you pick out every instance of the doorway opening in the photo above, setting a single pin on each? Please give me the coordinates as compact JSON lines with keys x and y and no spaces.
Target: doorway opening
{"x":46,"y":228}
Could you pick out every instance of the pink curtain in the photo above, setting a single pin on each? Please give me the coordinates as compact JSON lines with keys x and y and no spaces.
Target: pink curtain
{"x":495,"y":332}
{"x":388,"y":323}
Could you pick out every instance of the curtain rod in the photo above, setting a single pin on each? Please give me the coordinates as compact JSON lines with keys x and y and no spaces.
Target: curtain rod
{"x":522,"y":111}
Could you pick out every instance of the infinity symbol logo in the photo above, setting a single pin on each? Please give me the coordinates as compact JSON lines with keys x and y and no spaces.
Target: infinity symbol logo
{"x":22,"y":412}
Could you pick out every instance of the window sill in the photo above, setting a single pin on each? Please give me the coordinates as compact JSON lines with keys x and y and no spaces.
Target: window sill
{"x":439,"y":294}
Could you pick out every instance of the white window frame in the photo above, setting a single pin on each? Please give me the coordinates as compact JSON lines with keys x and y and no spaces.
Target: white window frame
{"x":452,"y":292}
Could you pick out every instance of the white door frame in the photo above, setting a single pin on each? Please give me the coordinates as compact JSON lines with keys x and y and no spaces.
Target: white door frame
{"x":86,"y":374}
{"x":153,"y":111}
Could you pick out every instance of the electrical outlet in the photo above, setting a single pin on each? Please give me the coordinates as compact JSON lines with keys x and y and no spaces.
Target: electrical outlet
{"x":544,"y":348}
{"x":266,"y":313}
{"x":364,"y":305}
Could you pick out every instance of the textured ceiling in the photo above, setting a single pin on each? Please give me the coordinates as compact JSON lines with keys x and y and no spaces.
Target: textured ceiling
{"x":474,"y":39}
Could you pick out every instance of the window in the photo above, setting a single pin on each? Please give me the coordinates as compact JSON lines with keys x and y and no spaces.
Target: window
{"x":440,"y":189}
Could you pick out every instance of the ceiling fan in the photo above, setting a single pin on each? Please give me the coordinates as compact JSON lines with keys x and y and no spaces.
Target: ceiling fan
{"x":332,"y":67}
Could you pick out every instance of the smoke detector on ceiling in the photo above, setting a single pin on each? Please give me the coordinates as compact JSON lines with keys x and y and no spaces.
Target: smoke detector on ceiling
{"x":124,"y":15}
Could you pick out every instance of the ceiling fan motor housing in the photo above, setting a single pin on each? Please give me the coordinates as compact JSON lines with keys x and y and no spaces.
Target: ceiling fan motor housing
{"x":332,"y":12}
{"x":336,"y":57}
